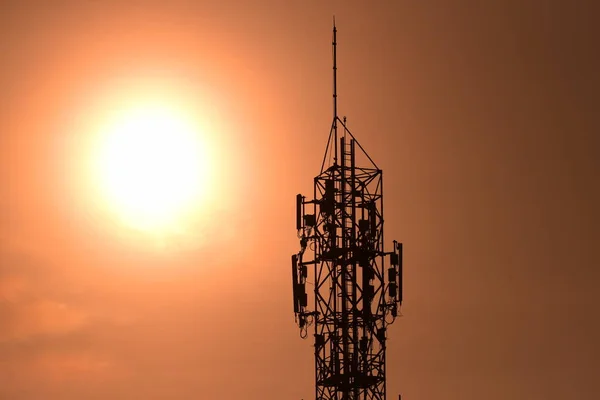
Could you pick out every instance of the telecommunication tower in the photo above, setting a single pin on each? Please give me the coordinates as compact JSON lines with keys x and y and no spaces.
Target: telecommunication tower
{"x":356,"y":293}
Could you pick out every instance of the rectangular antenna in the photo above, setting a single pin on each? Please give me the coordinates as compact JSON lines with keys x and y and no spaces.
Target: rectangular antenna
{"x":295,"y":281}
{"x":400,"y":273}
{"x":298,"y":212}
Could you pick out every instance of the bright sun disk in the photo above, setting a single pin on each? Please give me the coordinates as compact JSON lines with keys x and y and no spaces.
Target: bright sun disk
{"x":151,"y":166}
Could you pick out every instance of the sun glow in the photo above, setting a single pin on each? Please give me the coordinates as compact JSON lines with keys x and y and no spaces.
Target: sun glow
{"x":152,"y":166}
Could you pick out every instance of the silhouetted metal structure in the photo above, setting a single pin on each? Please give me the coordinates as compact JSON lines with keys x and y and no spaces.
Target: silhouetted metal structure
{"x":356,"y":295}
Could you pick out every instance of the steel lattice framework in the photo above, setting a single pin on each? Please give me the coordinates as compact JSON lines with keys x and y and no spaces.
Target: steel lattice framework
{"x":342,"y":246}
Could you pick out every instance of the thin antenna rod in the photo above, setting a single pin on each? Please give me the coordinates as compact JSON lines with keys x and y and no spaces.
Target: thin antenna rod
{"x":335,"y":117}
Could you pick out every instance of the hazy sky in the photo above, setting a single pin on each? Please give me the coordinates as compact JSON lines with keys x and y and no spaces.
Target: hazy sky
{"x":483,"y":116}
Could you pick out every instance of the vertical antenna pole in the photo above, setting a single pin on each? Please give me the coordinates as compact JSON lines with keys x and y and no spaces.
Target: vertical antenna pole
{"x":334,"y":93}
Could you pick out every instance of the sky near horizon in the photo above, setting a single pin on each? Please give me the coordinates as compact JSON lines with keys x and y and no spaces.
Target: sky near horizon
{"x":482,"y":115}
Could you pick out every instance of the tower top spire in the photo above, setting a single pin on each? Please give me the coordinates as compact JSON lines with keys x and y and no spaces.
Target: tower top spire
{"x":335,"y":115}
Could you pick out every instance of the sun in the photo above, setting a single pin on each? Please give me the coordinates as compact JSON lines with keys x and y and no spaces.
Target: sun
{"x":151,"y":166}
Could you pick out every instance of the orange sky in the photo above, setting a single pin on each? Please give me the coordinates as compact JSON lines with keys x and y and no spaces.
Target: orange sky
{"x":481,"y":117}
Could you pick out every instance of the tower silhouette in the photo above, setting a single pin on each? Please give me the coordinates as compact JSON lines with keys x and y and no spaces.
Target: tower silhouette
{"x":357,"y":292}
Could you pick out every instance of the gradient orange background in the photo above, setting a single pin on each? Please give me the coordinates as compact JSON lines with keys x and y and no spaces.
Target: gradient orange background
{"x":483,"y":117}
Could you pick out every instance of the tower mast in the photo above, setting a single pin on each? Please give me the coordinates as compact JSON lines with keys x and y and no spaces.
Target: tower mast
{"x":357,"y":285}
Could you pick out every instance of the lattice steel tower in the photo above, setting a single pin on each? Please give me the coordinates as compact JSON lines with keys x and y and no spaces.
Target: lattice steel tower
{"x":356,"y":295}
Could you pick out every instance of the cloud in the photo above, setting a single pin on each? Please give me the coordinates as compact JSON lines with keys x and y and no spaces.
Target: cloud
{"x":81,"y":366}
{"x":10,"y":288}
{"x":57,"y":373}
{"x":41,"y":317}
{"x":47,"y":336}
{"x":28,"y":309}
